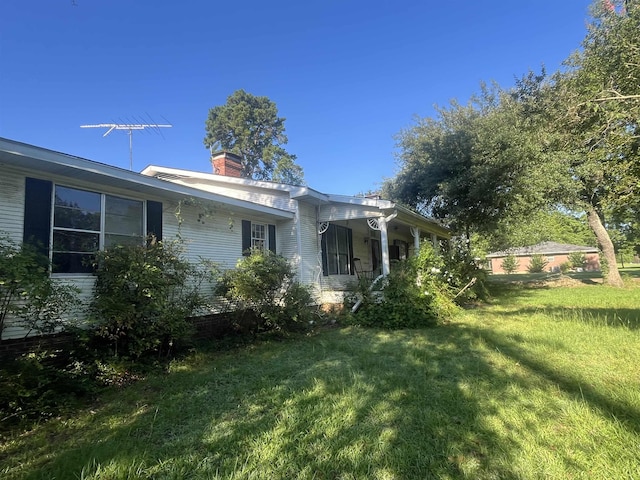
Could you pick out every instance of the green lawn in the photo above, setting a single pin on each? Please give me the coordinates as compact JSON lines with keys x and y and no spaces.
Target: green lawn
{"x":542,"y":383}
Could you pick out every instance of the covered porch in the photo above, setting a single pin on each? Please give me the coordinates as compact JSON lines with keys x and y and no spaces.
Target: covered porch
{"x":363,"y":238}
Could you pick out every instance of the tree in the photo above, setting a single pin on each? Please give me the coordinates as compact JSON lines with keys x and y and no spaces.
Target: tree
{"x":510,"y":264}
{"x":546,"y":225}
{"x":474,"y":165}
{"x":568,"y":141}
{"x":250,"y":127}
{"x":597,"y":106}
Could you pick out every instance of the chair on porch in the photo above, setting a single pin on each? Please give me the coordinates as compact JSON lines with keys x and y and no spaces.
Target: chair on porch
{"x":360,"y":273}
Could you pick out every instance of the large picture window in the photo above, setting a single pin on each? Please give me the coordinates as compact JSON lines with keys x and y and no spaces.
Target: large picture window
{"x":337,"y":250}
{"x":85,"y":222}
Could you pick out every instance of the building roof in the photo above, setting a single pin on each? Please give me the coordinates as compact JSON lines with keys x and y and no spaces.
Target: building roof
{"x":43,"y":161}
{"x":303,"y":193}
{"x":544,"y":248}
{"x":168,"y":183}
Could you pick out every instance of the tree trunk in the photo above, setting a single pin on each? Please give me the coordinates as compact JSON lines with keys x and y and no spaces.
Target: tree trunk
{"x":611,"y":273}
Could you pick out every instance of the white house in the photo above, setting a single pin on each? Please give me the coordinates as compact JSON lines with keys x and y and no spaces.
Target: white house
{"x":72,"y":207}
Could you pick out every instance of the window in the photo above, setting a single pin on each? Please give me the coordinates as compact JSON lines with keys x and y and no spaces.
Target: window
{"x":258,"y":236}
{"x":337,"y":250}
{"x":85,"y":222}
{"x":400,"y":250}
{"x":69,"y":224}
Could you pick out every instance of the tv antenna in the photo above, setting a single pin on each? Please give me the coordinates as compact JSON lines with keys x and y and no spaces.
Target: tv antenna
{"x":129,"y":127}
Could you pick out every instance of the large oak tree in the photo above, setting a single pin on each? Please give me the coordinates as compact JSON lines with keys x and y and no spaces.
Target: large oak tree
{"x":568,"y":141}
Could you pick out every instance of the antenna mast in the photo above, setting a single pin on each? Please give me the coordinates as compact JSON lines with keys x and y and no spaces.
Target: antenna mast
{"x":129,"y":127}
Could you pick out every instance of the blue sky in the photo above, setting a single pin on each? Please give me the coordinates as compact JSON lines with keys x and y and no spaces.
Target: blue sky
{"x":347,"y":75}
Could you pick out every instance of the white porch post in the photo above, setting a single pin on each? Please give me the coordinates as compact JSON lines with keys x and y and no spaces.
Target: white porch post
{"x":384,"y":241}
{"x":415,"y":233}
{"x":434,"y":242}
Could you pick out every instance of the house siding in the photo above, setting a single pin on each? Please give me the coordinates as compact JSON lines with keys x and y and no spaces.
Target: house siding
{"x":311,"y":267}
{"x":12,"y":199}
{"x":12,"y":204}
{"x":269,"y":198}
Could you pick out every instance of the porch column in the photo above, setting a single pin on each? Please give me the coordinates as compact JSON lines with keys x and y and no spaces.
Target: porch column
{"x":434,"y":242}
{"x":415,"y":233}
{"x":384,"y":240}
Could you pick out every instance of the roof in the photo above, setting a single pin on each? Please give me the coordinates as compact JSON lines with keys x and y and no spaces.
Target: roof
{"x":164,"y":182}
{"x":44,"y":161}
{"x":303,"y":193}
{"x":544,"y":248}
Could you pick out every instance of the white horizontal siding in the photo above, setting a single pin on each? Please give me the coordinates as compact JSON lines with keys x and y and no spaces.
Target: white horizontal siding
{"x":311,"y":259}
{"x":269,"y":198}
{"x":12,"y":204}
{"x":75,"y":316}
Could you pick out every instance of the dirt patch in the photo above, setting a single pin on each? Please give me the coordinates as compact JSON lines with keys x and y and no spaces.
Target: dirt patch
{"x":572,"y":282}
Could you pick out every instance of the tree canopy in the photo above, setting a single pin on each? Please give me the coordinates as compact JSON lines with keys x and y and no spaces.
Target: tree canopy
{"x":569,"y":140}
{"x":250,"y":127}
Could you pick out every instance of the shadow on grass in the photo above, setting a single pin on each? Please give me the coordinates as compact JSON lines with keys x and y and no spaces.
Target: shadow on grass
{"x":344,"y":404}
{"x":578,"y":388}
{"x":609,"y":317}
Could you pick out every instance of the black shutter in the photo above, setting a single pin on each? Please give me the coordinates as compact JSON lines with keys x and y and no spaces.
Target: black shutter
{"x":246,"y":237}
{"x":272,"y":238}
{"x":37,"y":214}
{"x":154,"y":219}
{"x":323,"y":245}
{"x":350,"y":241}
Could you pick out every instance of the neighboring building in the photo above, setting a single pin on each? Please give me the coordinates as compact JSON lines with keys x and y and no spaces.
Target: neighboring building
{"x":72,"y":207}
{"x":554,"y":253}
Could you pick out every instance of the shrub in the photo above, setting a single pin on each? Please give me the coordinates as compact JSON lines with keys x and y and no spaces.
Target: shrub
{"x":462,"y":272}
{"x":510,"y":264}
{"x":577,"y":259}
{"x":265,"y":284}
{"x":415,"y":294}
{"x":565,"y":267}
{"x":144,"y":295}
{"x":40,"y":385}
{"x":537,"y":263}
{"x":28,"y":294}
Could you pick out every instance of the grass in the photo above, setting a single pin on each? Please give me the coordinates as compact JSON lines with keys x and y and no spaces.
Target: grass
{"x":542,"y":383}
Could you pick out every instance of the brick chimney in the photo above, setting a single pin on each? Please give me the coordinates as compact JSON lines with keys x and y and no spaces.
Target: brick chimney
{"x":227,"y":163}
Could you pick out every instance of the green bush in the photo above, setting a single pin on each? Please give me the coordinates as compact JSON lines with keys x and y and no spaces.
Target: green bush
{"x":417,"y":293}
{"x":462,"y":272}
{"x":144,"y":296}
{"x":510,"y":264}
{"x":265,"y":284}
{"x":537,"y":263}
{"x":577,"y":259}
{"x":28,"y":295}
{"x":40,"y":385}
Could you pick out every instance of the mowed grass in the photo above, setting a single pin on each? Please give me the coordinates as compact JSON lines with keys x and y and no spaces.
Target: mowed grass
{"x":541,"y":383}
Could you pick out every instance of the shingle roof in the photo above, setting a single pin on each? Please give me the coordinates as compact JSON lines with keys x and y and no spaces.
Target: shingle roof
{"x":544,"y":248}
